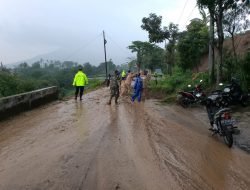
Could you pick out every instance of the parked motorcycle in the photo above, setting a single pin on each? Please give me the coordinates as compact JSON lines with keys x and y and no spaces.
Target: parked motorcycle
{"x":220,"y":118}
{"x":233,"y":94}
{"x":217,"y":99}
{"x":224,"y":125}
{"x":192,"y":97}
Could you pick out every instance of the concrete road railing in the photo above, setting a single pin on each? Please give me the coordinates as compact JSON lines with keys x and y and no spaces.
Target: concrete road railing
{"x":11,"y":105}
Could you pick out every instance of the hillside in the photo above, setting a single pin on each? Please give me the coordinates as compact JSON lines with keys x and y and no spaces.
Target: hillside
{"x":242,"y":44}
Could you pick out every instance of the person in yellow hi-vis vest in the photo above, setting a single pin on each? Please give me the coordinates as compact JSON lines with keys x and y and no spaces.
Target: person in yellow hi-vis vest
{"x":123,"y":75}
{"x":80,"y":80}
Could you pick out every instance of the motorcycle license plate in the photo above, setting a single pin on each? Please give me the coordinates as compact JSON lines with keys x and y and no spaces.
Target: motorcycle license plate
{"x":227,"y":122}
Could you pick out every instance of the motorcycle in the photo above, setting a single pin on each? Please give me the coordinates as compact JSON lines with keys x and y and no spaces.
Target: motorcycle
{"x":220,"y":118}
{"x":224,"y":125}
{"x":192,"y":97}
{"x":233,"y":94}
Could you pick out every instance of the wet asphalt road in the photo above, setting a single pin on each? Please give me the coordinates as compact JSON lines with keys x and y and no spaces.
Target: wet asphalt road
{"x":90,"y":145}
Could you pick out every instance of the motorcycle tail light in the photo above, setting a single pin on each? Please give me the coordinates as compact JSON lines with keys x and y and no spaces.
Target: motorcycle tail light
{"x":226,"y":115}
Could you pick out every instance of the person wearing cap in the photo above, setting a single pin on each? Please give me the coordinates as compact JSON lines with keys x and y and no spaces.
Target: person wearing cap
{"x":80,"y":80}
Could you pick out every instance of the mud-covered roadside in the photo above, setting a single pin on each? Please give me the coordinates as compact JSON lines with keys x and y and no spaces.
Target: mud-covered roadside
{"x":90,"y":145}
{"x":242,"y":117}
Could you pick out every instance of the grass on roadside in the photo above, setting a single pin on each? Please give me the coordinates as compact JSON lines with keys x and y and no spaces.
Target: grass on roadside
{"x":168,"y":86}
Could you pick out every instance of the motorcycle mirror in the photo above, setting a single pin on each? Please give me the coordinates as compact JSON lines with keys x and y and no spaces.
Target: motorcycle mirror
{"x":189,"y":85}
{"x":221,"y":84}
{"x":201,"y":80}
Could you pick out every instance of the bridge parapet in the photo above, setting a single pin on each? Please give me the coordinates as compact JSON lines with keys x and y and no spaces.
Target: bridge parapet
{"x":11,"y":105}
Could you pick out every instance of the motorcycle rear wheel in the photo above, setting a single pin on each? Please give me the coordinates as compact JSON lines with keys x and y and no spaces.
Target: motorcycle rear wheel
{"x":228,"y":138}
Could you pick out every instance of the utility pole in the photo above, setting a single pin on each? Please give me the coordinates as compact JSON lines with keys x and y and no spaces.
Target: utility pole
{"x":106,"y":65}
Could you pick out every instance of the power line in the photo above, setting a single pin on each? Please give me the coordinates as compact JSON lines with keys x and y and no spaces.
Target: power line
{"x":116,"y":44}
{"x":83,"y":46}
{"x":182,"y":12}
{"x":190,"y":15}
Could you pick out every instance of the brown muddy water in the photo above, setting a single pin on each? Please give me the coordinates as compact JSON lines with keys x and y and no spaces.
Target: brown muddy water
{"x":90,"y":145}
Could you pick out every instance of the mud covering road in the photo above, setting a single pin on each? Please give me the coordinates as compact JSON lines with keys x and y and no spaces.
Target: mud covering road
{"x":92,"y":146}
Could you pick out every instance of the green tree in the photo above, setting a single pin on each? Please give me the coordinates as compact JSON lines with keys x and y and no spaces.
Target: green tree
{"x":87,"y":68}
{"x":23,"y":65}
{"x":138,"y":47}
{"x":157,"y":33}
{"x":154,"y":58}
{"x":36,"y":65}
{"x":148,"y":55}
{"x":132,"y":64}
{"x":152,"y":25}
{"x":69,"y":64}
{"x":193,"y":44}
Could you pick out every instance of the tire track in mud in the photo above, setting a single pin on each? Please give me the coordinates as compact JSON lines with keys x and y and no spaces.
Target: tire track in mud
{"x":91,"y":162}
{"x":176,"y":162}
{"x":141,"y":129}
{"x":172,"y":162}
{"x":91,"y":145}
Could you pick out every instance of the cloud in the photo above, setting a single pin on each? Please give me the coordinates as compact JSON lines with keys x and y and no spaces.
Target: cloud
{"x":29,"y":28}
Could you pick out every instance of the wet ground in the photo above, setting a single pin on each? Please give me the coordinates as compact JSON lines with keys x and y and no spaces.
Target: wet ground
{"x":90,"y":145}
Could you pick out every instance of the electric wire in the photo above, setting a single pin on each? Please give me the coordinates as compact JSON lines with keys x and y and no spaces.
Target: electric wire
{"x":178,"y":21}
{"x":122,"y":49}
{"x":90,"y":42}
{"x":190,"y":15}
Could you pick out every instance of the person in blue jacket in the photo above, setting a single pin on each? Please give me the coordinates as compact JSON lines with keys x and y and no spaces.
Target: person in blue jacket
{"x":138,"y":88}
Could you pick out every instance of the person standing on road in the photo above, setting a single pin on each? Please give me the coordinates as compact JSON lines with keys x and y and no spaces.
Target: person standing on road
{"x":108,"y":81}
{"x":138,"y":88}
{"x":80,"y":80}
{"x":114,"y":87}
{"x":123,"y":75}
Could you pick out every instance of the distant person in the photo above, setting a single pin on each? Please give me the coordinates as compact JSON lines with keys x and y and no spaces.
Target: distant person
{"x":123,"y":75}
{"x":128,"y":82}
{"x":123,"y":84}
{"x":80,"y":80}
{"x":138,"y":88}
{"x":108,"y":82}
{"x":114,"y":87}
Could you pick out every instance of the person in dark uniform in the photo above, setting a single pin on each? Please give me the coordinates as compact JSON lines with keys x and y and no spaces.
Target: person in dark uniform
{"x":114,"y":87}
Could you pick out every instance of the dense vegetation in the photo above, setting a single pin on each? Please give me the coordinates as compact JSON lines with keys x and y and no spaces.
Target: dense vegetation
{"x":221,"y":19}
{"x":43,"y":74}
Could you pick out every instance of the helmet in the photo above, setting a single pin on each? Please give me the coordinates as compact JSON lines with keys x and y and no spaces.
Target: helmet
{"x":79,"y":67}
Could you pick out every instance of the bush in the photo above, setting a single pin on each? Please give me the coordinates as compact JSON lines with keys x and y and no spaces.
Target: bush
{"x":179,"y":81}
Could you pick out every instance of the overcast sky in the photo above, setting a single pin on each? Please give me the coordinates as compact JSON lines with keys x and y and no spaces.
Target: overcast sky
{"x":72,"y":29}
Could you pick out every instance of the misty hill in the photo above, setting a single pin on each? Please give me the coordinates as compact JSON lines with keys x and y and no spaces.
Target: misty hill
{"x":93,"y":55}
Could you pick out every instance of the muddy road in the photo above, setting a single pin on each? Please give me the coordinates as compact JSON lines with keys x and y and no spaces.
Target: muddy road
{"x":92,"y":146}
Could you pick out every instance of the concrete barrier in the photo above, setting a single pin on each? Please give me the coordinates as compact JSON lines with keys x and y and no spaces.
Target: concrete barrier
{"x":11,"y":105}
